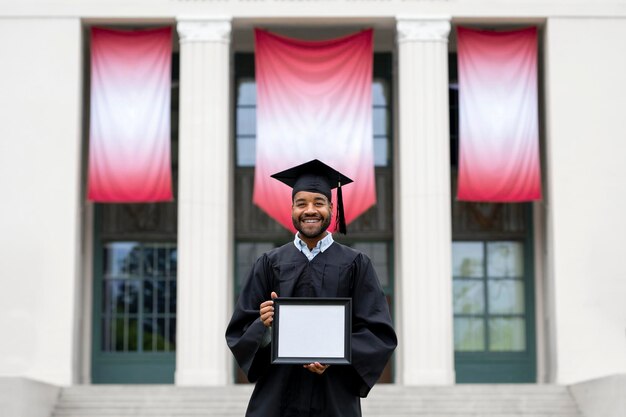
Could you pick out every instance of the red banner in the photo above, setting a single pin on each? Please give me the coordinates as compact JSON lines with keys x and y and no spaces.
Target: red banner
{"x":498,"y":116}
{"x":314,"y":101}
{"x":129,"y":137}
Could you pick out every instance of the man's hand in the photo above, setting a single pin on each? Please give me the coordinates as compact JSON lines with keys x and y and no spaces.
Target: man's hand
{"x":316,"y":368}
{"x":266,"y":310}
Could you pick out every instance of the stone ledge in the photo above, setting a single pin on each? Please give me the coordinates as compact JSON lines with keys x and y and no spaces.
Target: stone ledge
{"x":602,"y":397}
{"x":20,"y":397}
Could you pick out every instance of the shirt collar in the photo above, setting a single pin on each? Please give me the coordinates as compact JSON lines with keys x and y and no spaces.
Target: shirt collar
{"x":322,"y":245}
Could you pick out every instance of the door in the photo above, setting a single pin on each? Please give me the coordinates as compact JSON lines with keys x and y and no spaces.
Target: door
{"x":134,"y":287}
{"x":135,"y":309}
{"x":493,"y":303}
{"x":134,"y":294}
{"x":493,"y":281}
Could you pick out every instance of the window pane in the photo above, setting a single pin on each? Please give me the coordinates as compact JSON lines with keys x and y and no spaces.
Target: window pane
{"x":146,"y":273}
{"x":121,"y":296}
{"x":131,"y":298}
{"x":246,"y":151}
{"x":506,"y":296}
{"x":113,"y":296}
{"x":469,"y":334}
{"x":172,"y":297}
{"x":171,"y":340}
{"x":108,"y":332}
{"x":381,"y":151}
{"x":120,"y":259}
{"x":246,"y":121}
{"x":133,"y":335}
{"x":120,"y":334}
{"x":149,"y":334}
{"x":160,"y":289}
{"x":468,"y":297}
{"x":246,"y":92}
{"x":505,"y":259}
{"x":160,"y":335}
{"x":149,"y":296}
{"x":379,"y":116}
{"x":148,"y":260}
{"x":380,"y":93}
{"x":507,"y":334}
{"x":161,"y":262}
{"x":467,"y":259}
{"x":173,"y":261}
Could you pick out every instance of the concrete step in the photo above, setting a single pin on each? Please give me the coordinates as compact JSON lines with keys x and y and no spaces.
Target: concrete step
{"x":492,"y":400}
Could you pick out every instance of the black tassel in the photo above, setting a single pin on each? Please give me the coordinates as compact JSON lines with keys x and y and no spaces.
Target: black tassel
{"x":341,"y":219}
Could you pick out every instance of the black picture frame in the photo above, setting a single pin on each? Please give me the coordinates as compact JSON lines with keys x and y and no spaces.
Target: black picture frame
{"x":292,"y":345}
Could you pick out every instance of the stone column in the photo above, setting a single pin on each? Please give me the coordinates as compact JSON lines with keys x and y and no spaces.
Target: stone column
{"x":204,"y":215}
{"x":423,"y":227}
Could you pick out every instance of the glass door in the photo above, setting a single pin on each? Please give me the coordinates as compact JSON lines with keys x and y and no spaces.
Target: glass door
{"x":492,"y":304}
{"x":135,"y":313}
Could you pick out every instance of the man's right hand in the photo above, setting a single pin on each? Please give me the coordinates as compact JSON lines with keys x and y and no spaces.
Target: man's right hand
{"x":266,"y":310}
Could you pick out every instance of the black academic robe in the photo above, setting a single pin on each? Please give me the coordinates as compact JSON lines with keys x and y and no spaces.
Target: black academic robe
{"x":291,"y":390}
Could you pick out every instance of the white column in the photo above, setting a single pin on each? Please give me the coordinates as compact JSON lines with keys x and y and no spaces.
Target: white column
{"x":204,"y":218}
{"x":423,"y":231}
{"x":40,"y":178}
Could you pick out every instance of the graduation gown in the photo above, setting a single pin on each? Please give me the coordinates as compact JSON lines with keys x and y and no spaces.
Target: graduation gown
{"x":291,"y":390}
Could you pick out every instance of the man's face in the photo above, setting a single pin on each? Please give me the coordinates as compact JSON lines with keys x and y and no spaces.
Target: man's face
{"x":311,"y":213}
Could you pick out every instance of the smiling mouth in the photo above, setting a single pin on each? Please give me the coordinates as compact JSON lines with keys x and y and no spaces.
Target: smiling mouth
{"x":311,"y":220}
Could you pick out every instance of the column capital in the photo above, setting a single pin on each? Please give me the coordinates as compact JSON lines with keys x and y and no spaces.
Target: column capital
{"x":423,"y":28}
{"x":208,"y":29}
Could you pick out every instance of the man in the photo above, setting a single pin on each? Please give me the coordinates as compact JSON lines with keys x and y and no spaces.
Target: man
{"x":313,"y":265}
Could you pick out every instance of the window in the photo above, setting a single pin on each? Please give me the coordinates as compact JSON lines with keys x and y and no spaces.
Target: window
{"x":489,"y":300}
{"x":139,"y":297}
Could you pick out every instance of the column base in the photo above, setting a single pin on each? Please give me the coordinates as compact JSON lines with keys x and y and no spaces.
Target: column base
{"x":200,"y":378}
{"x":429,"y":377}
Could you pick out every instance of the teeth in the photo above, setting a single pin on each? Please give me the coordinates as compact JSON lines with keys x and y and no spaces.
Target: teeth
{"x":311,"y":221}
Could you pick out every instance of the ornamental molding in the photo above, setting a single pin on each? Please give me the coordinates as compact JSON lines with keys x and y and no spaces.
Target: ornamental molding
{"x":212,"y":29}
{"x":423,"y":29}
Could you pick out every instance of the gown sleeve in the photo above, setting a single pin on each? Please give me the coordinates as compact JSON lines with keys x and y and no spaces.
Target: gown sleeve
{"x":245,"y":332}
{"x":373,"y":337}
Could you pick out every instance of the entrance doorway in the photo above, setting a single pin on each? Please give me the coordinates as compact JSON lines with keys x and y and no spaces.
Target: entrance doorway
{"x":135,"y":277}
{"x":371,"y":233}
{"x":134,"y":293}
{"x":493,"y":310}
{"x":492,"y":278}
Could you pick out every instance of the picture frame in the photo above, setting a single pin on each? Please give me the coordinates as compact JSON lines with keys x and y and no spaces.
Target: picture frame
{"x":307,"y":330}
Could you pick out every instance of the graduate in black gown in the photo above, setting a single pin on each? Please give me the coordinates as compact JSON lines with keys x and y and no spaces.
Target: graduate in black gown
{"x":313,"y":265}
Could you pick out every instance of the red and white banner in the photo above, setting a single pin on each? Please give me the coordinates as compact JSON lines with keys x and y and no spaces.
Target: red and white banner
{"x":314,"y":100}
{"x":498,"y":116}
{"x":129,"y":147}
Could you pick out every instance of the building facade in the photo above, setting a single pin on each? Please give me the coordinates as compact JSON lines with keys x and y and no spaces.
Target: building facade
{"x":142,"y":293}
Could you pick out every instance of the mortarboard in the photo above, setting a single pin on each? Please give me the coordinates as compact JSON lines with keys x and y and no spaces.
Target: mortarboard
{"x":317,"y":177}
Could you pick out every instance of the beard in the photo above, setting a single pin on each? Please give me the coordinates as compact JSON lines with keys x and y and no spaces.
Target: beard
{"x":311,"y":232}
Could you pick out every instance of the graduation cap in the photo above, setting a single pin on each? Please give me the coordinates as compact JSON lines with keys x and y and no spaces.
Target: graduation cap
{"x":317,"y":177}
